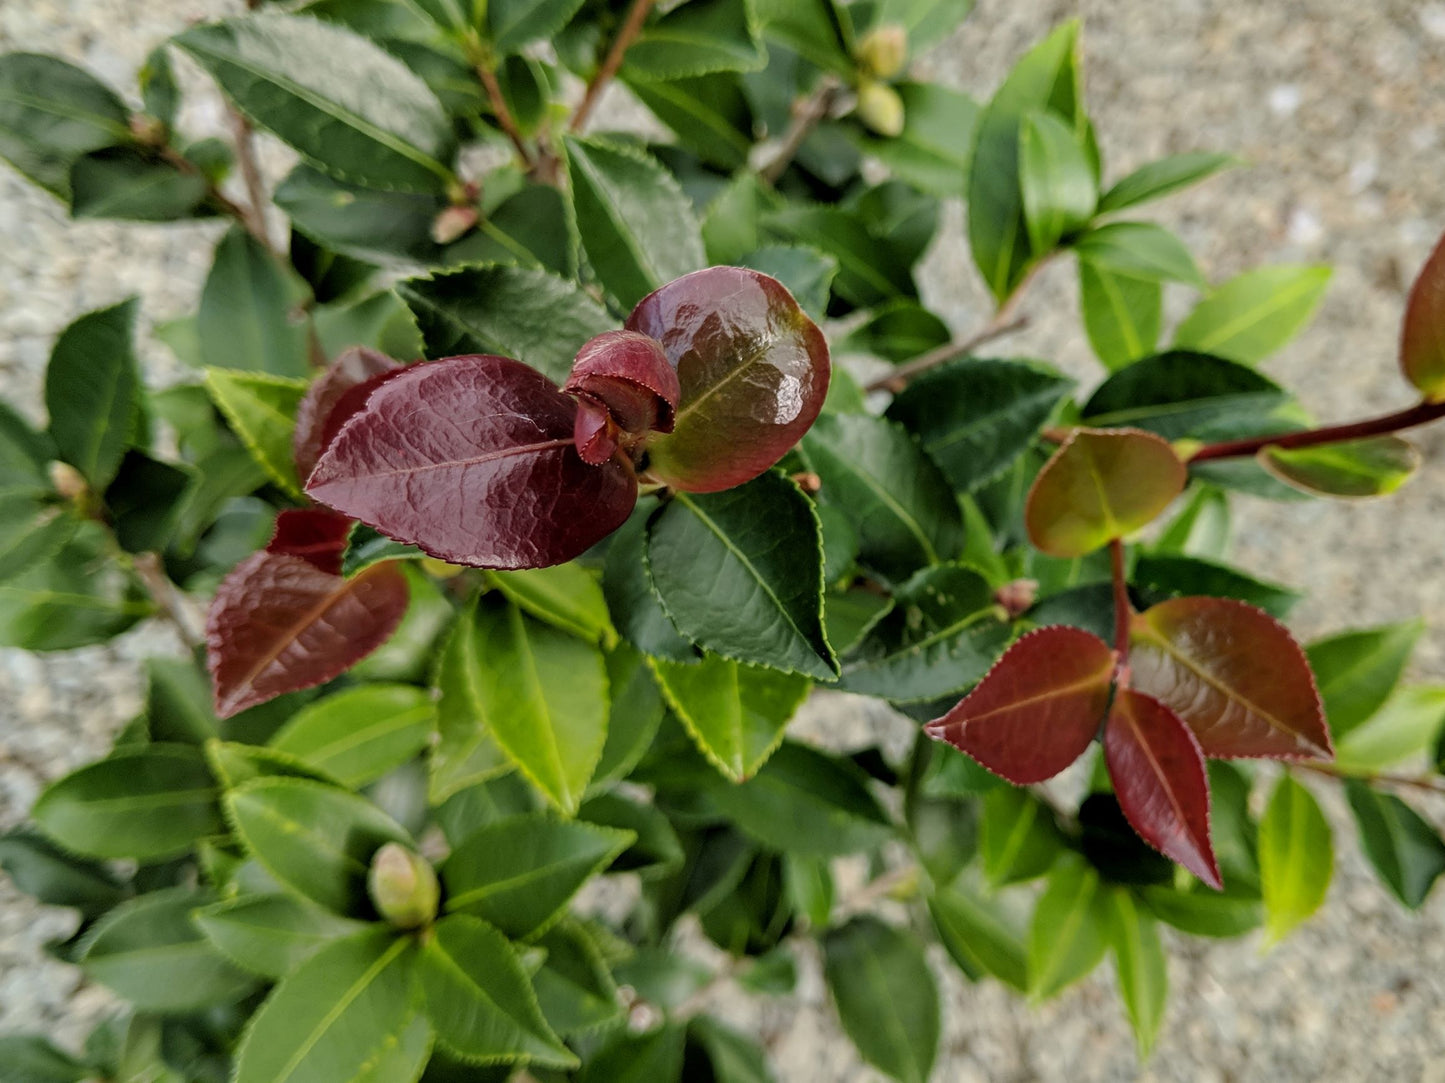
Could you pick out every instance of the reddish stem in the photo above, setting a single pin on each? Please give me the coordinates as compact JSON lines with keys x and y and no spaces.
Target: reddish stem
{"x":1123,"y":613}
{"x":505,"y":120}
{"x":631,"y":27}
{"x":1419,"y":414}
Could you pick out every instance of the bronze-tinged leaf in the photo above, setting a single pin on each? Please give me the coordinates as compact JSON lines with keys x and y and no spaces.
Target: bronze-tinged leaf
{"x":1235,"y":676}
{"x":1100,"y":485}
{"x":753,"y":372}
{"x":1157,"y":769}
{"x":1037,"y":709}
{"x":332,"y":398}
{"x":279,"y":624}
{"x":629,"y":373}
{"x":472,"y":459}
{"x":594,"y":433}
{"x":317,"y":535}
{"x":1422,"y":332}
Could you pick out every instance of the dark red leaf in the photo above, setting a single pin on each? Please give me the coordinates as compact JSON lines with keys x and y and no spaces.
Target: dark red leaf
{"x":1235,"y":676}
{"x":1422,"y":332}
{"x":1037,"y":709}
{"x":314,"y":534}
{"x":753,"y":371}
{"x":1157,"y":769}
{"x":595,"y":433}
{"x":334,"y":396}
{"x":629,"y":373}
{"x":278,"y":624}
{"x":472,"y":459}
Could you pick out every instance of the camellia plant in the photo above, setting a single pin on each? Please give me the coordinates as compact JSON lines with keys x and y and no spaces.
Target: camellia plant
{"x":527,"y":502}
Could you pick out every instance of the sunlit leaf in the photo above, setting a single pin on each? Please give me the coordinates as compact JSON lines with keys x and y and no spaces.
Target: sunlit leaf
{"x":1069,"y":931}
{"x":261,"y":409}
{"x":1159,"y":178}
{"x":1142,"y":966}
{"x":360,"y":734}
{"x":1407,"y":724}
{"x":1296,"y":857}
{"x":1254,"y":314}
{"x":1122,"y":313}
{"x":271,"y":935}
{"x":1056,"y":181}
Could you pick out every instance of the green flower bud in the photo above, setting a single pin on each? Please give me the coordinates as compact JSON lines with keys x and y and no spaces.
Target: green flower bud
{"x":880,"y":108}
{"x":402,"y":886}
{"x":883,"y":51}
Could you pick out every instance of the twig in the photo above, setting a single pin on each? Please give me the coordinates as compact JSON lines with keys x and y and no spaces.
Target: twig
{"x":1419,"y":414}
{"x":223,"y":202}
{"x":1123,"y":613}
{"x":626,"y":35}
{"x":807,"y":115}
{"x":167,"y":598}
{"x":1430,"y":783}
{"x":503,"y":114}
{"x":255,"y":214}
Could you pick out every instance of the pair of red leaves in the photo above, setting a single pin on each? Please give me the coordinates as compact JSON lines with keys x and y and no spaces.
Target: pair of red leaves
{"x":1206,"y":677}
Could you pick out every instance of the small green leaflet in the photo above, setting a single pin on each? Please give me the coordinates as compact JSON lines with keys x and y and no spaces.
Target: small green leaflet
{"x":1068,"y":936}
{"x":261,"y":408}
{"x":1357,"y":670}
{"x":1055,"y":180}
{"x":466,"y":752}
{"x":1161,"y":177}
{"x":566,"y":596}
{"x":1142,"y":967}
{"x":978,"y":935}
{"x":1296,"y":857}
{"x":251,"y":315}
{"x":1122,"y":313}
{"x":1408,"y":723}
{"x":1406,"y":851}
{"x":1254,"y":314}
{"x":360,"y":734}
{"x":1353,"y":468}
{"x":92,"y":392}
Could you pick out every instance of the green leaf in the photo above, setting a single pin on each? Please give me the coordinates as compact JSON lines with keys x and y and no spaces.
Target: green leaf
{"x":316,"y":840}
{"x":1056,"y":181}
{"x":124,"y":183}
{"x":78,"y":596}
{"x":895,"y":498}
{"x":465,"y":752}
{"x":637,"y":1058}
{"x":1203,"y":911}
{"x":484,"y":803}
{"x":514,"y":23}
{"x":806,"y":802}
{"x":575,"y":989}
{"x":732,"y":222}
{"x":566,"y":596}
{"x":1142,"y":967}
{"x":479,"y":999}
{"x":1068,"y":936}
{"x":1296,"y":857}
{"x":632,"y":600}
{"x":1353,"y":468}
{"x":360,"y":734}
{"x":1405,"y":850}
{"x":29,"y":1058}
{"x":145,"y":500}
{"x":364,"y":223}
{"x":656,"y":850}
{"x":92,"y":392}
{"x":271,"y":935}
{"x":806,"y":272}
{"x":1407,"y":724}
{"x":33,"y":526}
{"x":1122,"y":313}
{"x":349,"y":107}
{"x":151,"y":952}
{"x":518,"y":873}
{"x":144,"y":802}
{"x":1201,"y":529}
{"x":178,"y":702}
{"x":934,"y":148}
{"x":52,"y":876}
{"x":25,"y":454}
{"x":976,"y":417}
{"x":1139,"y":250}
{"x":979,"y":936}
{"x":733,"y":1057}
{"x":698,"y":38}
{"x":1157,"y":577}
{"x":820,"y":31}
{"x":870,"y":269}
{"x":752,"y":555}
{"x":886,"y":997}
{"x":51,"y":113}
{"x":531,"y":315}
{"x":636,"y":715}
{"x":1161,"y":177}
{"x":261,"y":409}
{"x":533,"y":228}
{"x":637,"y":226}
{"x":1357,"y":670}
{"x":1254,"y":314}
{"x":897,"y":332}
{"x":1018,"y":836}
{"x":710,"y":116}
{"x":249,"y":311}
{"x":345,"y":1015}
{"x":381,"y":322}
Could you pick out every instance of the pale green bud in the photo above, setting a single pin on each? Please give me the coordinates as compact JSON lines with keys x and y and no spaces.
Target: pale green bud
{"x":880,"y":108}
{"x":403,"y":886}
{"x":883,"y":51}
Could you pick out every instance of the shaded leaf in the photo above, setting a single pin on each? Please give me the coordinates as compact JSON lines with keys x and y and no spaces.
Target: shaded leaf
{"x":146,"y":499}
{"x":360,"y":734}
{"x":124,"y":183}
{"x":29,"y":1058}
{"x":1405,"y":850}
{"x":732,"y":1057}
{"x":1160,"y":177}
{"x":656,"y":848}
{"x":42,"y":132}
{"x":575,"y":989}
{"x":52,"y":876}
{"x":696,"y":39}
{"x":250,"y":317}
{"x":632,"y":600}
{"x":979,"y":936}
{"x":1296,"y":857}
{"x":1139,"y":250}
{"x":1157,"y":577}
{"x":896,"y":332}
{"x":1422,"y":331}
{"x":871,"y":270}
{"x":33,"y":526}
{"x":271,"y":935}
{"x":466,"y":752}
{"x":1254,"y":314}
{"x":710,"y":115}
{"x":1181,"y":394}
{"x":261,"y":410}
{"x":77,"y":596}
{"x":1068,"y":935}
{"x":1353,"y":468}
{"x":637,"y":1058}
{"x":1019,"y":838}
{"x":514,"y":23}
{"x":1357,"y":670}
{"x":936,"y":144}
{"x":636,"y":715}
{"x":92,"y":392}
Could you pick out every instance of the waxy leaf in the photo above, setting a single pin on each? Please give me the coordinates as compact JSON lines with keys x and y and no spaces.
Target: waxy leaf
{"x":1355,"y":468}
{"x":1159,"y":178}
{"x":346,"y":1013}
{"x":1157,"y":577}
{"x":978,"y":935}
{"x":761,"y":597}
{"x":1142,"y":966}
{"x":479,"y":998}
{"x":1181,"y":394}
{"x":92,"y":392}
{"x":331,"y":400}
{"x":1254,"y":314}
{"x":271,"y":935}
{"x":1056,"y":180}
{"x":575,"y":988}
{"x":566,"y":596}
{"x":1357,"y":670}
{"x":637,"y":713}
{"x":358,"y":735}
{"x":315,"y":839}
{"x":251,"y":311}
{"x":146,"y":801}
{"x":1068,"y":934}
{"x":1099,"y":486}
{"x":1422,"y":331}
{"x":1122,"y":313}
{"x":702,"y":37}
{"x":316,"y":535}
{"x":466,"y":753}
{"x":976,"y":417}
{"x":518,"y":873}
{"x":631,"y":599}
{"x":753,"y":371}
{"x":279,"y":623}
{"x":1157,"y":769}
{"x":736,"y":713}
{"x":1406,"y":851}
{"x":51,"y":113}
{"x":1037,"y":709}
{"x":1233,"y":674}
{"x":629,"y":374}
{"x":261,"y":409}
{"x":871,"y":268}
{"x":472,"y":459}
{"x":886,"y":997}
{"x":351,"y":108}
{"x":1296,"y":857}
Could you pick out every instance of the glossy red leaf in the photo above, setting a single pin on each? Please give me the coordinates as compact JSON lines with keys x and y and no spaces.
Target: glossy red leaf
{"x":333,"y":397}
{"x":1422,"y":332}
{"x":278,"y":624}
{"x":1235,"y":676}
{"x":317,"y":535}
{"x":753,"y":372}
{"x":1037,"y":709}
{"x":595,"y":433}
{"x":630,"y":374}
{"x":472,"y":459}
{"x":1157,"y":768}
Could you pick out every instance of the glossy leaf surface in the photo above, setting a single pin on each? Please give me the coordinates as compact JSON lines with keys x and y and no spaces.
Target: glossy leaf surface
{"x":1354,"y":468}
{"x":261,"y":409}
{"x":360,"y":734}
{"x":1101,"y":485}
{"x":629,"y":373}
{"x":279,"y":623}
{"x":1157,"y":578}
{"x":1157,"y":769}
{"x":752,"y":368}
{"x":1409,"y":723}
{"x":566,"y":596}
{"x":92,"y":392}
{"x":271,"y":935}
{"x":330,"y":401}
{"x":1422,"y":332}
{"x":1037,"y":709}
{"x":1056,"y":179}
{"x":1183,"y":394}
{"x":472,"y":459}
{"x":316,"y":535}
{"x":466,"y":752}
{"x":634,"y":604}
{"x":1233,"y":674}
{"x":1254,"y":314}
{"x":1296,"y":856}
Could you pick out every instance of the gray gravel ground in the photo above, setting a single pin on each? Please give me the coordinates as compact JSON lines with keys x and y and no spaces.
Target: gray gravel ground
{"x":1339,"y":107}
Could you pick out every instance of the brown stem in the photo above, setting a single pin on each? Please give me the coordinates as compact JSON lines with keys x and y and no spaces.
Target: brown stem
{"x":626,"y":35}
{"x":1419,"y":414}
{"x":167,"y":598}
{"x":503,"y":114}
{"x":223,"y":203}
{"x":807,"y":115}
{"x":1123,"y":613}
{"x":1431,"y":783}
{"x":255,"y":213}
